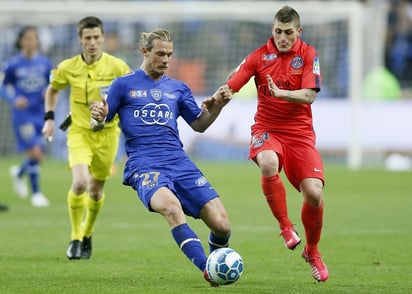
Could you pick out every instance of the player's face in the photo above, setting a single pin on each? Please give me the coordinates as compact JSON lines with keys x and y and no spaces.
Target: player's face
{"x":91,"y":41}
{"x":157,"y":59}
{"x":285,"y":35}
{"x":29,"y":42}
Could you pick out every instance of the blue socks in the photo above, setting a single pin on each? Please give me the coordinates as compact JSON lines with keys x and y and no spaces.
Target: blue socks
{"x":189,"y":243}
{"x":216,"y":242}
{"x":33,"y":170}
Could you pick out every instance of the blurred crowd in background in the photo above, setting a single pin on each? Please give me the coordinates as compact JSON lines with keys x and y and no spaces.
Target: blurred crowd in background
{"x":206,"y":53}
{"x":204,"y":71}
{"x":398,"y":57}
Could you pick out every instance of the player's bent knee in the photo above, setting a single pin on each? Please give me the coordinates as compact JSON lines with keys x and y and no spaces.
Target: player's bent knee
{"x":79,"y":187}
{"x":221,"y":227}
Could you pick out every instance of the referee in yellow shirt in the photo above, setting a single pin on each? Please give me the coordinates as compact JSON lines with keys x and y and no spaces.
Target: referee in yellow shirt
{"x":91,"y":154}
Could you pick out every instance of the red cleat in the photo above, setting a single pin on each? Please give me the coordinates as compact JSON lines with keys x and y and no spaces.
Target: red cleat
{"x":206,"y":276}
{"x":291,"y":238}
{"x":319,"y":270}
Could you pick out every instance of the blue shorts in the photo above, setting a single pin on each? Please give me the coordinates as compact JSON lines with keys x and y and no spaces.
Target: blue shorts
{"x":182,"y":177}
{"x":28,"y":134}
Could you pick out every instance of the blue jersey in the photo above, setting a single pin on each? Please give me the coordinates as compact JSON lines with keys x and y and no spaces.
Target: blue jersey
{"x":29,"y":78}
{"x":148,"y":112}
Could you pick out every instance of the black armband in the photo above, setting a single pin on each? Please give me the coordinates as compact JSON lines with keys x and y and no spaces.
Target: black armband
{"x":49,"y":115}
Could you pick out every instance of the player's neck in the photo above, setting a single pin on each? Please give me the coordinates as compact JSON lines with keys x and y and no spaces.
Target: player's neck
{"x":90,"y":59}
{"x":29,"y":53}
{"x":155,"y":76}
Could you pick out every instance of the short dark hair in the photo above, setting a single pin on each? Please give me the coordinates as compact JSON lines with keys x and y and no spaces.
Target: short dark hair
{"x":89,"y":22}
{"x":21,"y":34}
{"x":287,"y":15}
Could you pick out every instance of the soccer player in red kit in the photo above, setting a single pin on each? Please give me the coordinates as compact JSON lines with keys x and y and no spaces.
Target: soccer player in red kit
{"x":287,"y":76}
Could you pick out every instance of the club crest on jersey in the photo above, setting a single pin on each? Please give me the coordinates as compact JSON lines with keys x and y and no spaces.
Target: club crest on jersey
{"x":297,"y":62}
{"x":316,"y":66}
{"x":156,"y":94}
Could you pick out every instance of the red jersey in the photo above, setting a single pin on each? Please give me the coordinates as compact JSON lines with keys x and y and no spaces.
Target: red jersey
{"x":296,"y":69}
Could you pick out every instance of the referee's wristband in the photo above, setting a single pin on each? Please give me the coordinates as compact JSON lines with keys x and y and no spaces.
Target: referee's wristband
{"x":49,"y":115}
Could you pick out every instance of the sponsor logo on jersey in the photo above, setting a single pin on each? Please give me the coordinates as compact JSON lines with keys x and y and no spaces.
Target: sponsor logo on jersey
{"x":170,"y":96}
{"x":201,"y":181}
{"x":155,"y":114}
{"x":268,"y":57}
{"x":138,"y":93}
{"x":297,"y":62}
{"x":316,"y":66}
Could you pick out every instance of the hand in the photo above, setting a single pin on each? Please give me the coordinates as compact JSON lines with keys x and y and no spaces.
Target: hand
{"x":21,"y":102}
{"x":99,"y":110}
{"x":272,"y":86}
{"x":48,"y":130}
{"x":221,"y":97}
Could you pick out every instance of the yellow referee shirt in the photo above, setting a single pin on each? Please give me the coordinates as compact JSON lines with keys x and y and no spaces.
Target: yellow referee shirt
{"x":88,"y":83}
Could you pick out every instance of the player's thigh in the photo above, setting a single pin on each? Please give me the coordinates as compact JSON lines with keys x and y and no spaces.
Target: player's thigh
{"x":79,"y":151}
{"x":265,"y":150}
{"x":147,"y":181}
{"x":81,"y":176}
{"x":165,"y":202}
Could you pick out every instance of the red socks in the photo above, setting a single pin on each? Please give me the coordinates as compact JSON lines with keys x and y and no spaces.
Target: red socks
{"x":275,"y":194}
{"x":312,"y":219}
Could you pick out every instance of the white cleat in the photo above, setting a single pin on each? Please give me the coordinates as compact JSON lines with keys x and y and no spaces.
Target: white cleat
{"x":19,"y":185}
{"x":39,"y":200}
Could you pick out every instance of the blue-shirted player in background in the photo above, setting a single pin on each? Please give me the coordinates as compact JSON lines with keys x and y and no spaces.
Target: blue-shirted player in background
{"x":166,"y":180}
{"x":26,"y":76}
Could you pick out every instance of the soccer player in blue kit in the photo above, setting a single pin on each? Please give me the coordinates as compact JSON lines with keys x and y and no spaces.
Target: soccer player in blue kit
{"x":165,"y":178}
{"x":26,"y":76}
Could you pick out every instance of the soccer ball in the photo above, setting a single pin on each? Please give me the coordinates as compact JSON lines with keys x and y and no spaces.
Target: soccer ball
{"x":224,"y":266}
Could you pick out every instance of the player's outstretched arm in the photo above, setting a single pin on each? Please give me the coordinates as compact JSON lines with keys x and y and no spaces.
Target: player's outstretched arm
{"x":211,"y":109}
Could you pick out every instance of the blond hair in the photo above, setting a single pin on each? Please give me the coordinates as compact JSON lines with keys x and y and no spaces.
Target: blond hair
{"x":146,"y":39}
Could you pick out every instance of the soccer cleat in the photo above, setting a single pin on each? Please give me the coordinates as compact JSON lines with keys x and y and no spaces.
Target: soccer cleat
{"x":3,"y":207}
{"x":39,"y":200}
{"x":86,"y":247}
{"x":206,"y":276}
{"x":291,"y":237}
{"x":19,"y":185}
{"x":74,"y":250}
{"x":319,"y":270}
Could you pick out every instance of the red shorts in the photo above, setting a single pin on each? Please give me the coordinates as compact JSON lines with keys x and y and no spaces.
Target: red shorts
{"x":298,"y":155}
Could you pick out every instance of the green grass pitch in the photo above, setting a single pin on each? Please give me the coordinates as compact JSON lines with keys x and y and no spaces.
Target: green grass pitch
{"x":366,"y":241}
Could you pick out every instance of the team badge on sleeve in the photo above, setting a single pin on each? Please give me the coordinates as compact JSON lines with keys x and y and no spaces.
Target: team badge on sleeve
{"x":316,"y":66}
